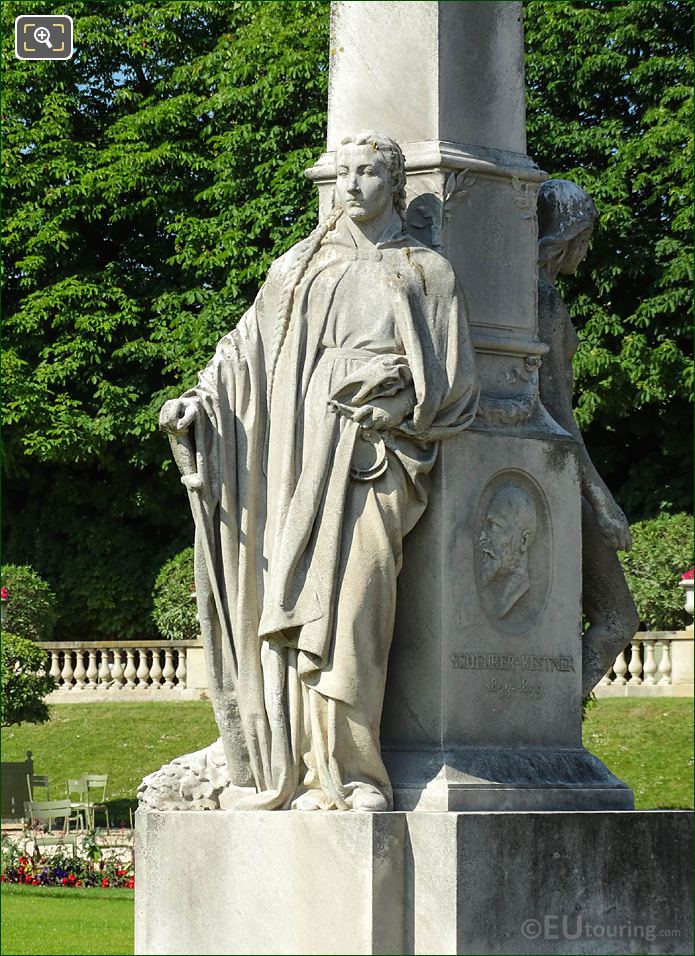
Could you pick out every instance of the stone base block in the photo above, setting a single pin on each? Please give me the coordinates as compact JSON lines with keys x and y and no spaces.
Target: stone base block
{"x":494,"y":778}
{"x":406,"y":883}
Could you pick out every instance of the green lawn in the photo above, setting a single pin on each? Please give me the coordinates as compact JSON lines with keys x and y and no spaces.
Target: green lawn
{"x":127,"y":741}
{"x":648,"y":743}
{"x":59,"y":922}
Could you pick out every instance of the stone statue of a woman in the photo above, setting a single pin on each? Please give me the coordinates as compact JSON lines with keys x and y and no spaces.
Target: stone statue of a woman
{"x":306,"y":447}
{"x":566,"y":218}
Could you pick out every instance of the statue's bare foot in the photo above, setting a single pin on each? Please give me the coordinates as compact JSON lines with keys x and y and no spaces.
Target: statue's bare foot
{"x":311,"y":800}
{"x":368,"y":801}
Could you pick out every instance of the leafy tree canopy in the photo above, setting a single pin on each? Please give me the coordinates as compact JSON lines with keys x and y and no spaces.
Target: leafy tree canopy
{"x":150,"y":181}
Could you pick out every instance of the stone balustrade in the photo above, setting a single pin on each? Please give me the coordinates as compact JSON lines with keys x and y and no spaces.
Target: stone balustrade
{"x":92,"y":669}
{"x":655,"y":663}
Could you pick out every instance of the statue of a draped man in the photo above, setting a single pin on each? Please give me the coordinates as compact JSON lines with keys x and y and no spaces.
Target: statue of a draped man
{"x":306,"y":448}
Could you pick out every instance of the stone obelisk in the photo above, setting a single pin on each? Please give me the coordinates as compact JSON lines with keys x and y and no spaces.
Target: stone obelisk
{"x":483,"y":699}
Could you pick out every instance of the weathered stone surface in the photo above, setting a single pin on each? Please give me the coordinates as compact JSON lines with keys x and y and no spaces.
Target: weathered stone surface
{"x":566,"y":218}
{"x":306,"y":447}
{"x":407,"y":883}
{"x":484,"y":698}
{"x":458,"y":67}
{"x":266,"y":882}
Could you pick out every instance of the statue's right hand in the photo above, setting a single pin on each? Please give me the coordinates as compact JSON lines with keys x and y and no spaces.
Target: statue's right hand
{"x":177,"y":414}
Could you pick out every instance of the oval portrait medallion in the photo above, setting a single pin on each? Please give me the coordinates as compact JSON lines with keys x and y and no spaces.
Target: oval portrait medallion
{"x":513,"y":547}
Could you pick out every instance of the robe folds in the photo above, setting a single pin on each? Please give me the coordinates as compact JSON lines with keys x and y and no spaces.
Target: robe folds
{"x":300,"y":512}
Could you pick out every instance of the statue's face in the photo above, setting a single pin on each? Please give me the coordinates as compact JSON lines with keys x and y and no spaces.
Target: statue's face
{"x":575,"y":253}
{"x":363,"y":182}
{"x":503,"y":541}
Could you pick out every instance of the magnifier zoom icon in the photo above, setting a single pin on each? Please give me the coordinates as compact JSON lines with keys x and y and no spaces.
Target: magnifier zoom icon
{"x":43,"y":35}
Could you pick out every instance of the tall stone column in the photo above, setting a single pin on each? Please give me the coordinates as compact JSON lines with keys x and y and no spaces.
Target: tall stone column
{"x":483,"y":699}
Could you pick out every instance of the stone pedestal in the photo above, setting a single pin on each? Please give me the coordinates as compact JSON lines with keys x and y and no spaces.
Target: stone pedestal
{"x":406,"y":883}
{"x":483,"y":702}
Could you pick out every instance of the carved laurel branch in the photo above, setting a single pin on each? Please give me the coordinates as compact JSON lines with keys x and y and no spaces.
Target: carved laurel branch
{"x":457,"y":186}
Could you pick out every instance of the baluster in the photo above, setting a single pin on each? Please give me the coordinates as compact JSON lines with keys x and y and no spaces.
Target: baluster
{"x":130,"y":672}
{"x":620,"y":668}
{"x":80,"y":672}
{"x":665,"y":663}
{"x":649,"y":662}
{"x":181,"y":669}
{"x":143,"y":672}
{"x":636,"y":663}
{"x":156,"y":669}
{"x":104,"y":669}
{"x":117,"y":675}
{"x":55,"y":667}
{"x":67,"y":672}
{"x":169,"y":673}
{"x":92,"y":670}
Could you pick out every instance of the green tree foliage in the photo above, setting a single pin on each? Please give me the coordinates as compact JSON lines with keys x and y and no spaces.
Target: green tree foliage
{"x":149,"y":183}
{"x":22,"y":687}
{"x":662,"y":551}
{"x":173,"y":599}
{"x":610,"y":107}
{"x":30,"y":610}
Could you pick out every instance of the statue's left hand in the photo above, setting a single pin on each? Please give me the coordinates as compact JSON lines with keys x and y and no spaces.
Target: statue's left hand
{"x":388,"y":413}
{"x":614,"y":526}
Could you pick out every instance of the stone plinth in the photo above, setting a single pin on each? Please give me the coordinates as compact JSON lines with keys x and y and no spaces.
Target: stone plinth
{"x":269,"y":882}
{"x":483,"y":701}
{"x":407,"y":883}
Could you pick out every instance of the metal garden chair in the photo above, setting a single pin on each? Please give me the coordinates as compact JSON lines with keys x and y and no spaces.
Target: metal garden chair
{"x":38,"y":812}
{"x":96,"y":787}
{"x":38,"y":781}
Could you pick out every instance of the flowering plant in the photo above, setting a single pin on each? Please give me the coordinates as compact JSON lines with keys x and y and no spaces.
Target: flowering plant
{"x":689,"y":575}
{"x":4,"y":593}
{"x":65,"y":866}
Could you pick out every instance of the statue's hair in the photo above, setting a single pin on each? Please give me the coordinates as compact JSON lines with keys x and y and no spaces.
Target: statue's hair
{"x":392,"y":154}
{"x":564,"y":211}
{"x":305,"y":254}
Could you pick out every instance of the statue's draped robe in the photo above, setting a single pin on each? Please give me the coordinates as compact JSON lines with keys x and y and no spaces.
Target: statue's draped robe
{"x":300,"y":516}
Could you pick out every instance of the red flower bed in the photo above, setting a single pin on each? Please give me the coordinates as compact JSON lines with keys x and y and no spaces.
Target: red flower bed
{"x":65,"y":868}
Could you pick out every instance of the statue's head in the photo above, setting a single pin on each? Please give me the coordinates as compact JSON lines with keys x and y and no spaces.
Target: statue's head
{"x":566,"y":218}
{"x":370,"y":176}
{"x":508,"y":532}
